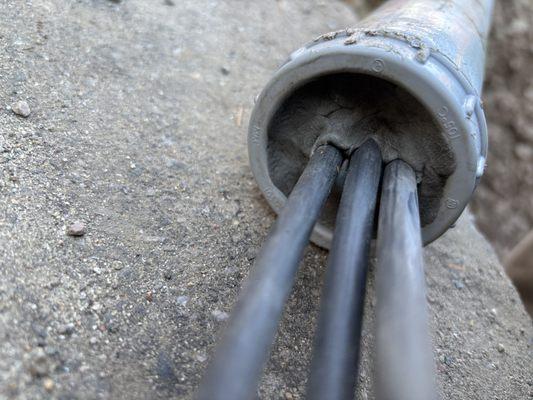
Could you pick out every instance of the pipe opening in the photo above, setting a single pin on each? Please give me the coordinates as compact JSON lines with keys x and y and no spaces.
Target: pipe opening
{"x":345,"y":110}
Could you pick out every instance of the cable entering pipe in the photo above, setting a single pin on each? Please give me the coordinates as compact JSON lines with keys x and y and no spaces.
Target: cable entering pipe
{"x":334,"y":366}
{"x":235,"y":371}
{"x":404,"y":362}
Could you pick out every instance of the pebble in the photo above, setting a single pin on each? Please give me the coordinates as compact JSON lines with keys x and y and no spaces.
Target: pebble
{"x":48,"y":384}
{"x":251,"y":253}
{"x":236,"y":239}
{"x":39,"y":330}
{"x":76,"y":229}
{"x":37,"y":363}
{"x":501,"y":348}
{"x":66,"y":329}
{"x":112,"y":326}
{"x":149,"y":296}
{"x":446,"y":360}
{"x":165,"y":368}
{"x":21,"y":108}
{"x":117,"y":265}
{"x":220,"y":315}
{"x":458,"y":284}
{"x":182,"y":300}
{"x":51,"y":351}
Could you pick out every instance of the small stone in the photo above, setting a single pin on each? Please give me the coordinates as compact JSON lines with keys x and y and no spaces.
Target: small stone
{"x":224,"y":71}
{"x":48,"y":384}
{"x":458,"y":284}
{"x":39,"y":330}
{"x":220,"y":316}
{"x":66,"y":329}
{"x":288,"y":396}
{"x":251,"y":253}
{"x":117,"y":265}
{"x":93,"y":340}
{"x":457,"y":267}
{"x":21,"y":108}
{"x":352,"y":39}
{"x":112,"y":326}
{"x":169,"y":3}
{"x":446,"y":360}
{"x":37,"y":363}
{"x":165,"y":369}
{"x":149,"y":296}
{"x":182,"y":300}
{"x":501,"y":348}
{"x":51,"y":351}
{"x":167,"y":274}
{"x":20,"y":77}
{"x":76,"y":229}
{"x":175,"y":164}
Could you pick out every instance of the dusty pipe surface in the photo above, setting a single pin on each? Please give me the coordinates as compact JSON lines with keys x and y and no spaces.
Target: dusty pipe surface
{"x":409,"y":76}
{"x":456,"y":29}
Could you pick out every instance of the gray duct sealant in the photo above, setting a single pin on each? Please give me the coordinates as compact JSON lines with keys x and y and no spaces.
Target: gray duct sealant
{"x":345,"y":110}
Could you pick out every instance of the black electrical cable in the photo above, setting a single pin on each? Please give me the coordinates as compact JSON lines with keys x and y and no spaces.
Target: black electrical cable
{"x":334,"y":366}
{"x":404,"y":362}
{"x":236,"y":368}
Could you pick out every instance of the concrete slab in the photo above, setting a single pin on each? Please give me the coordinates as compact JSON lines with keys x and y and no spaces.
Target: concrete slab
{"x":137,"y":129}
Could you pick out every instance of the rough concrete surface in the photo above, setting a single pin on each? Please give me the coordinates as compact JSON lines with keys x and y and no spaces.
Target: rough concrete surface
{"x":135,"y":140}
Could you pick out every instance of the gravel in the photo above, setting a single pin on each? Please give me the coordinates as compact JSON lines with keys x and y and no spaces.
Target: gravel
{"x":21,"y":108}
{"x":76,"y":229}
{"x":66,"y":329}
{"x":220,"y":315}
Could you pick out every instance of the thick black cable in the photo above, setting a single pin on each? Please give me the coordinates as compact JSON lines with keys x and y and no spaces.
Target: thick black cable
{"x":335,"y":360}
{"x":404,"y":361}
{"x":236,"y":368}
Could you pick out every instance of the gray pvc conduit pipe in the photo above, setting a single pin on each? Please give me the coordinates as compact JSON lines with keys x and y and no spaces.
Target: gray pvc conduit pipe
{"x":409,"y":76}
